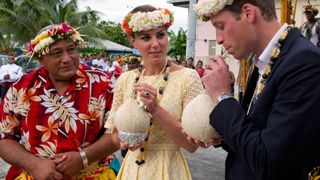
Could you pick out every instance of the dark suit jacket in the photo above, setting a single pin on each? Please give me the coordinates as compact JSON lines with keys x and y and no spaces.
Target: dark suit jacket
{"x":280,"y":137}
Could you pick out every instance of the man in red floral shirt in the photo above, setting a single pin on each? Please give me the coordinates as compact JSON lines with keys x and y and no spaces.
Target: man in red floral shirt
{"x":51,"y":118}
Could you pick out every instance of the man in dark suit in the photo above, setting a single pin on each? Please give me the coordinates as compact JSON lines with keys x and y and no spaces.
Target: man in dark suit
{"x":275,"y":133}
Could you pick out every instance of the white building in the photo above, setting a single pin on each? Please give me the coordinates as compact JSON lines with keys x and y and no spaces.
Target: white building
{"x":204,"y":33}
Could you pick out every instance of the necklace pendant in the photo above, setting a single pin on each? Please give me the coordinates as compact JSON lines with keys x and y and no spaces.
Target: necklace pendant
{"x":161,"y":90}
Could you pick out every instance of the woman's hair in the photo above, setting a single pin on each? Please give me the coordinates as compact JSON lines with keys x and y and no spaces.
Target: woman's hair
{"x":143,"y":8}
{"x":267,"y":8}
{"x":200,"y":62}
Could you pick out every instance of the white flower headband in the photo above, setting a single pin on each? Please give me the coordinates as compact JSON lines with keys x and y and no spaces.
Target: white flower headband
{"x":142,"y":21}
{"x":207,"y":8}
{"x":39,"y":46}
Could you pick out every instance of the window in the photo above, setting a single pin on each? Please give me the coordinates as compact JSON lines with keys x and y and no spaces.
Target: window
{"x":212,"y":47}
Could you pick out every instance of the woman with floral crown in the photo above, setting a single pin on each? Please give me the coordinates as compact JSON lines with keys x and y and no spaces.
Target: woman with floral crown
{"x":164,"y":89}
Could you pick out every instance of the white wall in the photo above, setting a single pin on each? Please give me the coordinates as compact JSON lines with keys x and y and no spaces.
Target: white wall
{"x":205,"y":30}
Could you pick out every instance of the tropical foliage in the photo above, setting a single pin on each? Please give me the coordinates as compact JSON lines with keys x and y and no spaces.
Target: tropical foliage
{"x":178,"y":44}
{"x":114,"y":32}
{"x":24,"y":18}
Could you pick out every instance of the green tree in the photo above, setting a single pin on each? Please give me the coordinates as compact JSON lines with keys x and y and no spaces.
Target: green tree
{"x":24,"y":18}
{"x":114,"y":32}
{"x":177,"y":45}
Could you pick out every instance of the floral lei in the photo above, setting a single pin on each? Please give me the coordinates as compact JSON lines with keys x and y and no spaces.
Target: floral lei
{"x":207,"y":8}
{"x":133,"y":59}
{"x":142,"y":21}
{"x":274,"y":56}
{"x":40,"y":44}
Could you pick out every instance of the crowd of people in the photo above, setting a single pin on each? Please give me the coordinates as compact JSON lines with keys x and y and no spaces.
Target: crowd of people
{"x":58,"y":122}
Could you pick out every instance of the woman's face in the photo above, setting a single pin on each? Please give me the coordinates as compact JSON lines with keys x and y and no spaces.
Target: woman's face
{"x":199,"y":65}
{"x":152,"y":44}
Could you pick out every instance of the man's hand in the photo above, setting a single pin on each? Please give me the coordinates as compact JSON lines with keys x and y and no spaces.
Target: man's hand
{"x":6,"y":77}
{"x":68,"y":163}
{"x":45,"y":169}
{"x":216,"y":77}
{"x":213,"y":141}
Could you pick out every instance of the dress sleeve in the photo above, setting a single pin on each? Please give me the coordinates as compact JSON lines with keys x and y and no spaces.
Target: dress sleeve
{"x":192,"y":88}
{"x":118,"y":98}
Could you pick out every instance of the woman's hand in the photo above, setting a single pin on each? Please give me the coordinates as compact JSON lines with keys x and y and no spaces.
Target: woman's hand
{"x":148,"y":95}
{"x":125,"y":145}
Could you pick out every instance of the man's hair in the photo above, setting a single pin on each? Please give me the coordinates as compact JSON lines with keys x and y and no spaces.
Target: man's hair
{"x":267,"y":8}
{"x":190,"y":58}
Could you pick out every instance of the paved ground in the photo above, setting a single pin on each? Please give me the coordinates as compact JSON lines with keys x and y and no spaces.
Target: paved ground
{"x":204,"y":164}
{"x":207,"y":163}
{"x":3,"y":169}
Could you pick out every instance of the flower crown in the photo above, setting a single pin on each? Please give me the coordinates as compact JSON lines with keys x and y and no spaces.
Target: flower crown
{"x":310,"y":8}
{"x":133,"y":59}
{"x":40,"y":44}
{"x":207,"y":8}
{"x":142,"y":21}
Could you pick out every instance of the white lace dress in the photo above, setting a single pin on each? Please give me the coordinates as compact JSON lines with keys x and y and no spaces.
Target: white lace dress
{"x":163,"y":158}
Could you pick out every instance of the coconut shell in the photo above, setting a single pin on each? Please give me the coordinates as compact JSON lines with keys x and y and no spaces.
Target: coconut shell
{"x":131,"y":118}
{"x":195,"y":118}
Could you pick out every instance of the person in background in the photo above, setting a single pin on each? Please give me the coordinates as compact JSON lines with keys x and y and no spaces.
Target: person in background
{"x":274,"y":134}
{"x":190,"y":63}
{"x":311,"y":28}
{"x":88,"y":60}
{"x":9,"y":73}
{"x":165,"y":88}
{"x":103,"y":62}
{"x":96,"y":61}
{"x":51,"y":120}
{"x":133,"y":62}
{"x":199,"y":68}
{"x":184,"y":63}
{"x":122,"y":64}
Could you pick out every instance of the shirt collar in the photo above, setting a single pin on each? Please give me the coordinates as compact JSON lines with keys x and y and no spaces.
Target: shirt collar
{"x":74,"y":85}
{"x":265,"y":56}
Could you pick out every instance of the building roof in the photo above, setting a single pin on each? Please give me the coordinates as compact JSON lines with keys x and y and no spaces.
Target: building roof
{"x":179,"y":3}
{"x":112,"y":46}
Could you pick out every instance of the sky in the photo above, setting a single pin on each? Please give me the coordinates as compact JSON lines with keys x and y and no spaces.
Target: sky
{"x":115,"y":10}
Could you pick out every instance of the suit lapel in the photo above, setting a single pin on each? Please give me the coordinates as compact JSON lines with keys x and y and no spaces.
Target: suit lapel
{"x":251,"y":86}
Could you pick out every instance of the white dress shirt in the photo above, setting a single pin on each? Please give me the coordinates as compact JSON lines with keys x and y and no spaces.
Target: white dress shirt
{"x":265,"y":56}
{"x":14,"y":71}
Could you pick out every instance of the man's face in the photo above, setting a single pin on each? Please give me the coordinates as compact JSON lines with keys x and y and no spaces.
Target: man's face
{"x":62,"y":61}
{"x":234,"y":33}
{"x":309,"y":15}
{"x":184,"y":63}
{"x":11,"y":60}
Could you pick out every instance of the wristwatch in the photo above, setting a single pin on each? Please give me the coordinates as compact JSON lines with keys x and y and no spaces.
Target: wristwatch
{"x":223,"y":96}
